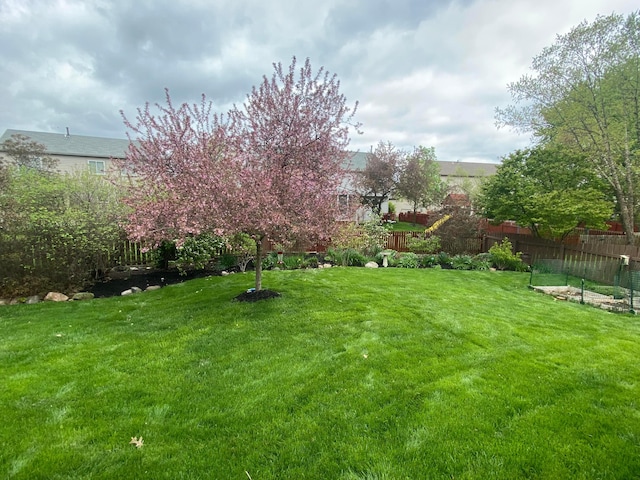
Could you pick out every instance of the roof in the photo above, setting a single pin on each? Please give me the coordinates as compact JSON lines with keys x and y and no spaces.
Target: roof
{"x":75,"y":145}
{"x":358,"y":161}
{"x":102,"y":147}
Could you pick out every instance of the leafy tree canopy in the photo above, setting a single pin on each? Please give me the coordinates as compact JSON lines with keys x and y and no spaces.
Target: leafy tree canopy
{"x":584,"y":94}
{"x":549,"y":190}
{"x":419,"y":181}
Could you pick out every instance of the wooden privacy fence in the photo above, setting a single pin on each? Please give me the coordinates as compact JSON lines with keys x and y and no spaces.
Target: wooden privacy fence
{"x":398,"y":241}
{"x":598,"y":261}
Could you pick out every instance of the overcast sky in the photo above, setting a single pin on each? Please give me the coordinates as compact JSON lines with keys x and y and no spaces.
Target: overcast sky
{"x":425,"y":72}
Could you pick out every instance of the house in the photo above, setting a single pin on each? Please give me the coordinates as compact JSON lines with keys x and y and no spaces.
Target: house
{"x":75,"y":152}
{"x":458,"y":175}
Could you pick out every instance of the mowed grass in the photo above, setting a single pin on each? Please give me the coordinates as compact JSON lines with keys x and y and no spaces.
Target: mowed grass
{"x":351,"y":374}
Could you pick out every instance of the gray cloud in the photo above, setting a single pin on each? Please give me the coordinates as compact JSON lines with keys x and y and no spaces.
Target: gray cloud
{"x":427,"y":73}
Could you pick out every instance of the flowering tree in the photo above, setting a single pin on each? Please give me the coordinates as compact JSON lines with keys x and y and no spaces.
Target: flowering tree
{"x":271,"y":169}
{"x":379,"y":178}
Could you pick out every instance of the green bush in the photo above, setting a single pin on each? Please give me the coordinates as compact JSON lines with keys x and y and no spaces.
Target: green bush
{"x":424,"y":245}
{"x":444,"y":260}
{"x":292,"y":262}
{"x":482,"y":261}
{"x":428,"y":261}
{"x":243,"y":248}
{"x":462,"y":262}
{"x":198,"y":250}
{"x":503,"y":258}
{"x":270,"y":261}
{"x":227,"y":261}
{"x":408,"y":260}
{"x":57,"y":232}
{"x":347,"y":257}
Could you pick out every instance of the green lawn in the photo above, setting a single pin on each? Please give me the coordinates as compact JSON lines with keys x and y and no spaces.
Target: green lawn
{"x":351,"y":374}
{"x":407,"y":227}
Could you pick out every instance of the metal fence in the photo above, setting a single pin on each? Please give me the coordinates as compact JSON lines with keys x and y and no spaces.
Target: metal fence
{"x":611,"y":284}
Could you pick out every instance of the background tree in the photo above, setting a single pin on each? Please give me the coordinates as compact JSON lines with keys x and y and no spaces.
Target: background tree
{"x":271,"y":170}
{"x":377,"y":182}
{"x":549,"y":190}
{"x":24,"y":152}
{"x":585,"y":95}
{"x":419,"y":181}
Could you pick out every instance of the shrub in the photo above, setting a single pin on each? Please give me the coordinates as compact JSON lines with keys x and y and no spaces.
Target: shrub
{"x":347,"y":257}
{"x":462,"y":262}
{"x":424,"y":245}
{"x":292,"y":262}
{"x":227,"y":261}
{"x":408,"y":260}
{"x":444,"y":260}
{"x":270,"y":261}
{"x":197,"y":251}
{"x":428,"y":261}
{"x":503,"y":258}
{"x":482,"y":261}
{"x":57,"y":232}
{"x":311,"y":262}
{"x":244,"y":249}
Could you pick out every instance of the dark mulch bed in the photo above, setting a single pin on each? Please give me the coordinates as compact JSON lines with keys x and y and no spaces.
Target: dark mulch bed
{"x":111,"y":287}
{"x":253,"y":296}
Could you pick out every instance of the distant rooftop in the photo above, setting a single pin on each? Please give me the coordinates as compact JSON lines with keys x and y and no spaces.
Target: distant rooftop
{"x":358,"y":161}
{"x":102,"y":147}
{"x":75,"y":145}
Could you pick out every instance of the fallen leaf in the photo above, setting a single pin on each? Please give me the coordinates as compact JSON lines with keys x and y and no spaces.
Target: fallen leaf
{"x":137,"y":442}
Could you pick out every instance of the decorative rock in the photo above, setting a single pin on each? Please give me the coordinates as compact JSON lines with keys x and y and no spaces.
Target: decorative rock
{"x":136,"y":289}
{"x":224,"y":273}
{"x":371,"y":265}
{"x":326,"y":265}
{"x":151,"y":288}
{"x":55,"y":297}
{"x":33,"y":299}
{"x":127,"y":292}
{"x":83,"y":296}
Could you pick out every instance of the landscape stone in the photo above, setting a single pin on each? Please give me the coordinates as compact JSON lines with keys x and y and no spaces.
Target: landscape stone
{"x":326,"y":265}
{"x":224,"y":273}
{"x":151,"y":288}
{"x":83,"y":296}
{"x":371,"y":265}
{"x":127,"y":292}
{"x":136,"y":289}
{"x":33,"y":299}
{"x":4,"y":301}
{"x":55,"y":297}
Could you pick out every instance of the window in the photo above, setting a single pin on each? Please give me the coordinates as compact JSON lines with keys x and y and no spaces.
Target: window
{"x":97,"y":167}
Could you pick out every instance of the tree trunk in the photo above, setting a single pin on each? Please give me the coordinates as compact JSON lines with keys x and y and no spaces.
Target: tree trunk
{"x":258,"y":264}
